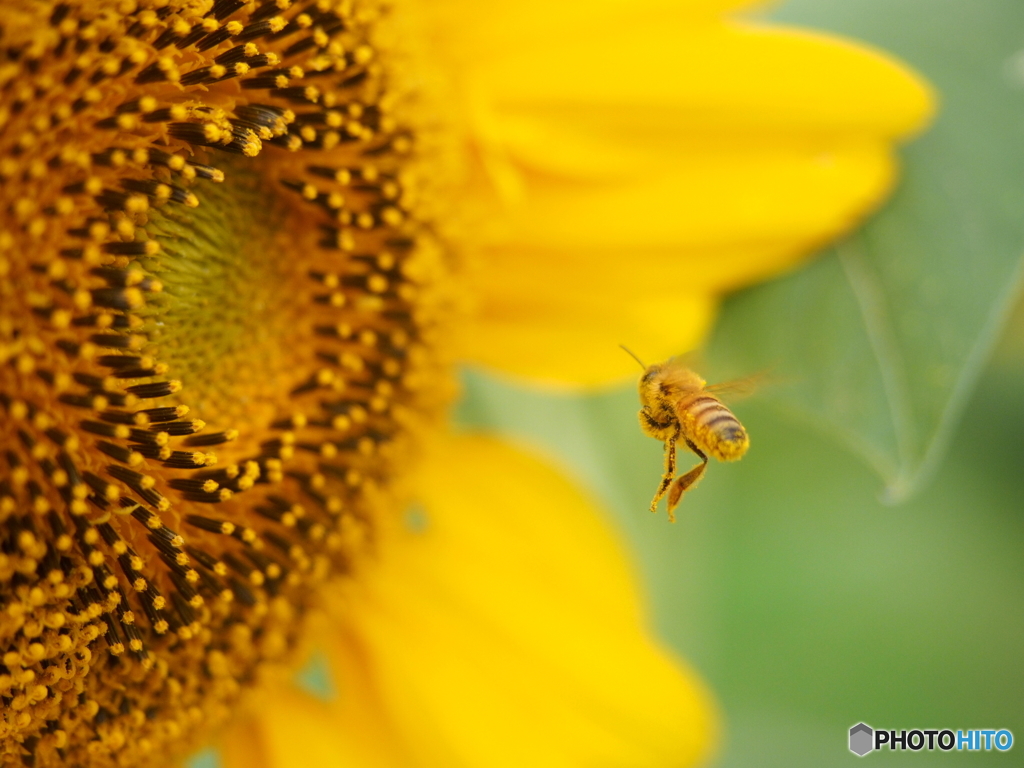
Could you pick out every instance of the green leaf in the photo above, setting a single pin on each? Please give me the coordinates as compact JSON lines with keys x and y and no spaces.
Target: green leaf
{"x":882,"y":340}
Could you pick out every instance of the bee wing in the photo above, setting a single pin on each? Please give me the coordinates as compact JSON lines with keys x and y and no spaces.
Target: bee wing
{"x":692,"y":360}
{"x":743,"y":387}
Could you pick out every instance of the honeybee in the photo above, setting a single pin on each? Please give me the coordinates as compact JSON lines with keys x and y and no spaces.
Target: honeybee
{"x":677,"y":405}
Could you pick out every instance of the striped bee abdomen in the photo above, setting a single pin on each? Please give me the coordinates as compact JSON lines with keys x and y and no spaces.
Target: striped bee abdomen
{"x":713,"y":428}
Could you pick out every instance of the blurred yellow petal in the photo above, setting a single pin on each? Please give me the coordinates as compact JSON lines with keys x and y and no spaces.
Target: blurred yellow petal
{"x":292,"y":730}
{"x":707,"y":194}
{"x":288,"y":728}
{"x":507,"y":630}
{"x":478,"y":32}
{"x":667,"y":154}
{"x":535,"y":341}
{"x":720,"y":74}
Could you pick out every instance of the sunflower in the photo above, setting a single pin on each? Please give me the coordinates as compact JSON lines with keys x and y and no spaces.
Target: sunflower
{"x":241,"y":244}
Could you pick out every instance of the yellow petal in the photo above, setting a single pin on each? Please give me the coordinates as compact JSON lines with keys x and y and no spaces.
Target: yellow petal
{"x":290,"y":727}
{"x":508,"y":630}
{"x":468,"y":30}
{"x":536,"y":342}
{"x":709,"y":193}
{"x":705,"y":74}
{"x":673,"y":157}
{"x":285,"y":727}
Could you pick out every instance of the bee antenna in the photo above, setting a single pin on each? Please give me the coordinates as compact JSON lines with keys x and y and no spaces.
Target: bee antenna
{"x":633,"y":355}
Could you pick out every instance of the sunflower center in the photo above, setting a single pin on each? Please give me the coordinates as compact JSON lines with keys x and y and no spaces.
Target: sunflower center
{"x":230,"y":314}
{"x":217,"y":302}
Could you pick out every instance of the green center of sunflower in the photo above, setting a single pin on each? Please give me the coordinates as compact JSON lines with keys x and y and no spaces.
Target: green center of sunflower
{"x":216,"y":299}
{"x":225,"y":313}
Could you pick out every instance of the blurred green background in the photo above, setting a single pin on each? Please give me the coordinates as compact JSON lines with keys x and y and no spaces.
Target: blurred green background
{"x":864,"y":561}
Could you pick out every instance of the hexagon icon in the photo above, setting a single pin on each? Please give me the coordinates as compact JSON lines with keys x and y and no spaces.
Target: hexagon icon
{"x":861,"y":739}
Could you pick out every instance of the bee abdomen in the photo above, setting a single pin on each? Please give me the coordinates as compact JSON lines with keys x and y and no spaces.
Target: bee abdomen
{"x":718,"y":432}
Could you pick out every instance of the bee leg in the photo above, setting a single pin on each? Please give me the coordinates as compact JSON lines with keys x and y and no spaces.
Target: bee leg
{"x":685,"y":482}
{"x":650,"y":426}
{"x":647,"y":420}
{"x":670,"y":470}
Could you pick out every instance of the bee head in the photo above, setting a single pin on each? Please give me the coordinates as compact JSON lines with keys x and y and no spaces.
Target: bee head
{"x":650,"y":384}
{"x":650,"y":374}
